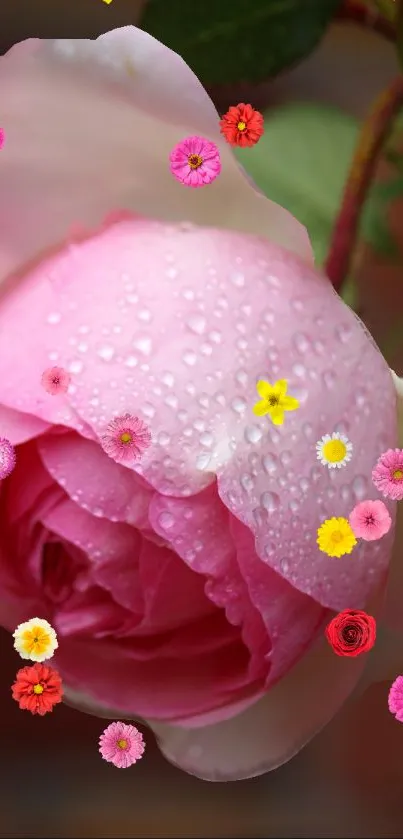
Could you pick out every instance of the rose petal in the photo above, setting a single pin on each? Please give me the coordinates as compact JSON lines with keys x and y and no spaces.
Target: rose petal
{"x":168,"y":357}
{"x":90,"y":125}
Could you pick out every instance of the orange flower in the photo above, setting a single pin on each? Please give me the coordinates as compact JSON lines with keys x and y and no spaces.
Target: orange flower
{"x":242,"y":125}
{"x":37,"y":688}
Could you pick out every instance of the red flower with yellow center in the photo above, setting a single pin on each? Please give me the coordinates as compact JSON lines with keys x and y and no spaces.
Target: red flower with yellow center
{"x":37,"y":689}
{"x":242,"y":125}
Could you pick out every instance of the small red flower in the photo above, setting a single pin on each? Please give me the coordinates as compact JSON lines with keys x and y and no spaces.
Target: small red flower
{"x":37,"y":688}
{"x":242,"y":125}
{"x":351,"y":632}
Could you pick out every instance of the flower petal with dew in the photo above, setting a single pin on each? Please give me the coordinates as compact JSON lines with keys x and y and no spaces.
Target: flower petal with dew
{"x":126,"y":438}
{"x":387,"y":475}
{"x":336,"y":537}
{"x":395,"y":698}
{"x":37,"y":689}
{"x":121,"y":744}
{"x":195,"y":162}
{"x":47,"y":86}
{"x":370,"y":520}
{"x":334,"y":450}
{"x":55,"y":380}
{"x":242,"y":125}
{"x":35,"y":639}
{"x":274,"y":400}
{"x":7,"y":458}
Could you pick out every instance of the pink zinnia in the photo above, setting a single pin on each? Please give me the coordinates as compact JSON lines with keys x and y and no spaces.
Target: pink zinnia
{"x":55,"y":380}
{"x":387,"y":475}
{"x":195,"y":161}
{"x":370,"y":520}
{"x":121,"y":744}
{"x":7,"y":458}
{"x":2,"y":138}
{"x":395,"y":698}
{"x":126,"y":438}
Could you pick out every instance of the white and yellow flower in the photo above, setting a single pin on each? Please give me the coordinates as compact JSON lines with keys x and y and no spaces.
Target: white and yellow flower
{"x":334,"y":450}
{"x":35,"y":639}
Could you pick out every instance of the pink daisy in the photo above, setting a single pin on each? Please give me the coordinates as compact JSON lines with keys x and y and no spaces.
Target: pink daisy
{"x":121,"y":744}
{"x":126,"y":438}
{"x":395,"y":698}
{"x":2,"y":138}
{"x":7,"y":458}
{"x":370,"y":520}
{"x":195,"y":161}
{"x":55,"y":380}
{"x":387,"y":475}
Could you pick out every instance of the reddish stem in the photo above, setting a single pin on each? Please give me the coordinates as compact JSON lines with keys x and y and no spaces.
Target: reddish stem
{"x":374,"y":132}
{"x":357,"y":11}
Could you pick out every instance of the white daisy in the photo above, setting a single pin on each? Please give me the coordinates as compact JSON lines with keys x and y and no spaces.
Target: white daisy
{"x":334,"y":450}
{"x":35,"y":639}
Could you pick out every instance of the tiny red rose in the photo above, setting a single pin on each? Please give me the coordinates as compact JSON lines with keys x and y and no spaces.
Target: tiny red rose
{"x":242,"y":125}
{"x":351,"y":632}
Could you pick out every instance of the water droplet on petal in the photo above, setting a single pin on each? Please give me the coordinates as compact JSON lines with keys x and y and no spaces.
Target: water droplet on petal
{"x":237,"y":279}
{"x":203,"y":460}
{"x":197,"y":324}
{"x":360,"y":487}
{"x":143,"y":344}
{"x":270,"y":463}
{"x":190,"y":358}
{"x":53,"y":318}
{"x":76,"y":367}
{"x":166,"y":520}
{"x":131,"y":361}
{"x":238,"y":405}
{"x":106,"y":352}
{"x":253,"y":434}
{"x":270,"y":501}
{"x":168,"y":379}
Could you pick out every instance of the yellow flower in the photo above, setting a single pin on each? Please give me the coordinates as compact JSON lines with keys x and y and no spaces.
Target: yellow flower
{"x":274,"y":400}
{"x":35,"y":639}
{"x":336,"y":537}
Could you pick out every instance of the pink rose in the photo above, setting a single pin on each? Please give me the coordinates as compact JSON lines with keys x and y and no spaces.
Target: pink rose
{"x":186,"y":587}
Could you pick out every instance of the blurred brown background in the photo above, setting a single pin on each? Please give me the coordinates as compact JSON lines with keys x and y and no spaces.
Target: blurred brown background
{"x":349,"y":781}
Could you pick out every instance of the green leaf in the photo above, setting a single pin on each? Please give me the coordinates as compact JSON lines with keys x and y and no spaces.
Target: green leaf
{"x":302,"y":162}
{"x":226,"y":41}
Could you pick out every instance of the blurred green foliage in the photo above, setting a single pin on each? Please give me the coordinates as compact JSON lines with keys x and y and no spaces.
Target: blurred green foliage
{"x":226,"y":41}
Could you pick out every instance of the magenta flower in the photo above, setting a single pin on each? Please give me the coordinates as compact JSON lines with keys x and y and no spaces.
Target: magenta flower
{"x":126,"y":438}
{"x":2,"y":138}
{"x":387,"y":475}
{"x":7,"y":458}
{"x":55,"y":380}
{"x":195,"y":161}
{"x":370,"y":520}
{"x":121,"y":744}
{"x":395,"y":698}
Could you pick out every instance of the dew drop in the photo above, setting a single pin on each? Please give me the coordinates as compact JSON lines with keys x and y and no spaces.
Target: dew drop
{"x":163,"y":438}
{"x":166,"y":520}
{"x":106,"y":352}
{"x":76,"y":367}
{"x":253,"y":434}
{"x":299,"y":370}
{"x":301,"y":342}
{"x":190,"y":358}
{"x":241,"y":377}
{"x":270,"y":463}
{"x":246,"y":482}
{"x":360,"y":487}
{"x":197,"y":324}
{"x":206,"y":349}
{"x":270,"y":501}
{"x":143,"y":344}
{"x":237,"y":279}
{"x":148,"y":410}
{"x":53,"y":318}
{"x":284,"y":566}
{"x":203,"y":461}
{"x":206,"y":439}
{"x":238,"y":405}
{"x":329,"y":378}
{"x":172,"y":401}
